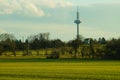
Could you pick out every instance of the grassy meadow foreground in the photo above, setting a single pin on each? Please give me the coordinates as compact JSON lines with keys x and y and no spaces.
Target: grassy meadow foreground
{"x":61,"y":69}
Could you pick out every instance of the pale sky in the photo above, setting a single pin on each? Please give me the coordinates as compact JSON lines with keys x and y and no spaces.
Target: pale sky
{"x":100,"y":18}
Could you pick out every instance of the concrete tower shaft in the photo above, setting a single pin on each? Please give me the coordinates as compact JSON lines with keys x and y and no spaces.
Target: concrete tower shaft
{"x":77,"y":21}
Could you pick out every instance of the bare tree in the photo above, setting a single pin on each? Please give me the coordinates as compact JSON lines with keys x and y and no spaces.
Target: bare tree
{"x":8,"y":42}
{"x":5,"y":36}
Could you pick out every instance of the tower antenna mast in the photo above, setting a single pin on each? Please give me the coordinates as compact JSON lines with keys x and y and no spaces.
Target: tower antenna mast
{"x":77,"y":21}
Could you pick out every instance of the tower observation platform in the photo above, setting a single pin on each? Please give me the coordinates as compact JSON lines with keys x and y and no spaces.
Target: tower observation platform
{"x":77,"y":21}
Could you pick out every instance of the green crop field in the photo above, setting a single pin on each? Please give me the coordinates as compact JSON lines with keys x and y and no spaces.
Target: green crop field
{"x":62,"y":69}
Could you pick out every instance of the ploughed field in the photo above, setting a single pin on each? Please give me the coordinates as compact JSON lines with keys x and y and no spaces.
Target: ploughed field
{"x":61,"y":69}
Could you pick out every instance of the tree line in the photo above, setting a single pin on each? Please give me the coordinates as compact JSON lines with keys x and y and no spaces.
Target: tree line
{"x":87,"y":48}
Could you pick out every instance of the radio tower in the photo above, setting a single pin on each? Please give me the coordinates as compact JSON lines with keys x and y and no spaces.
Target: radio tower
{"x":77,"y":21}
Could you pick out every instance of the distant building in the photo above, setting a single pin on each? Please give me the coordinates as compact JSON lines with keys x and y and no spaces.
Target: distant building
{"x":87,"y":40}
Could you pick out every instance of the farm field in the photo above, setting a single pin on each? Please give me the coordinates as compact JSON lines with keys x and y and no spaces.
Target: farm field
{"x":61,"y":69}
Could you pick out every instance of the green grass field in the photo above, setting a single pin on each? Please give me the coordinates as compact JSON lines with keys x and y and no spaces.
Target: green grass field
{"x":62,"y":69}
